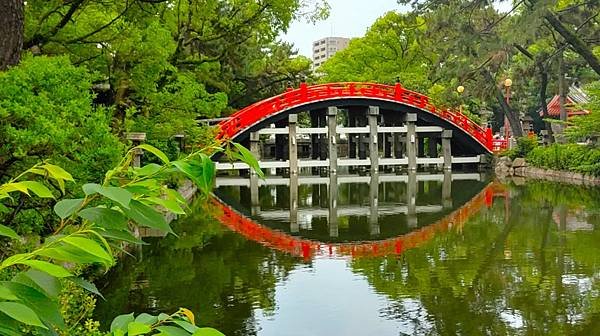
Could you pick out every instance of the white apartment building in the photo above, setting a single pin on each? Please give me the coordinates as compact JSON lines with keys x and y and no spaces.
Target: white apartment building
{"x":326,"y":47}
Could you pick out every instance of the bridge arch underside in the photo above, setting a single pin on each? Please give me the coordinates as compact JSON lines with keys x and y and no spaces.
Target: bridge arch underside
{"x":391,"y":114}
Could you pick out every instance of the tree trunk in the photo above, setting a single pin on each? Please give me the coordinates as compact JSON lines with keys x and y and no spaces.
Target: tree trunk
{"x":543,"y":103}
{"x":572,"y":39}
{"x":513,"y":118}
{"x":562,"y":90}
{"x":11,"y":32}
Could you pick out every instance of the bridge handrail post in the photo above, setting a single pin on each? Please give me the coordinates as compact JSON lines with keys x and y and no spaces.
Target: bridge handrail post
{"x":303,"y":91}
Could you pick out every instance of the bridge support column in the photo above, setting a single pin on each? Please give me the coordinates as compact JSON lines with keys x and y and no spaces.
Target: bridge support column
{"x":373,"y":147}
{"x":255,"y":150}
{"x":411,"y":199}
{"x":374,"y":203}
{"x":447,"y":190}
{"x":333,"y":216}
{"x":332,"y":136}
{"x":446,"y":149}
{"x":411,"y":140}
{"x":294,"y":227}
{"x":293,"y":143}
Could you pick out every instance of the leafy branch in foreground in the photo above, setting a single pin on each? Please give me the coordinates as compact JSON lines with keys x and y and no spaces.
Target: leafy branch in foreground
{"x":91,"y":229}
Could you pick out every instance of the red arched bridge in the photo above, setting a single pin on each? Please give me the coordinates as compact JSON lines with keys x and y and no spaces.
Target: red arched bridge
{"x":354,"y":124}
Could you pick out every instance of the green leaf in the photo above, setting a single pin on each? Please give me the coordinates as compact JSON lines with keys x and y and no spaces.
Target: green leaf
{"x":67,"y":207}
{"x":163,"y":317}
{"x":71,"y":254}
{"x":174,"y":194}
{"x":44,"y":266}
{"x":122,"y":235}
{"x":146,"y":319}
{"x":90,"y":287}
{"x":199,"y":171}
{"x":89,"y":246}
{"x":38,"y":188}
{"x":6,"y":294}
{"x":208,"y":173}
{"x":169,"y":204}
{"x":45,"y":307}
{"x":116,"y":194}
{"x":186,"y":325}
{"x":137,"y":328}
{"x":145,"y":215}
{"x":248,"y":158}
{"x":105,"y":217}
{"x":149,"y":169}
{"x":15,"y":186}
{"x":57,"y":172}
{"x":172,"y":331}
{"x":207,"y":332}
{"x":8,"y":232}
{"x":91,"y":188}
{"x":21,"y":313}
{"x":41,"y":281}
{"x":9,"y":332}
{"x":120,"y":322}
{"x":154,"y":151}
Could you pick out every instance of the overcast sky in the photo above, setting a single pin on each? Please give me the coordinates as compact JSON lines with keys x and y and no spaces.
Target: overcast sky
{"x":348,"y":18}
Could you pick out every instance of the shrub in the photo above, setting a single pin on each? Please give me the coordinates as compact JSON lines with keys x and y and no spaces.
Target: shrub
{"x":524,"y":146}
{"x":46,"y":111}
{"x":569,"y":157}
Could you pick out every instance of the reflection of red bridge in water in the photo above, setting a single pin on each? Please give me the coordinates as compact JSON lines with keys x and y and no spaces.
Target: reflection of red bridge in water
{"x":306,"y":248}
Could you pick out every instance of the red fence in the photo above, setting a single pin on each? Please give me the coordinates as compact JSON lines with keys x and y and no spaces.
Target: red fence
{"x":254,"y":113}
{"x":499,"y":145}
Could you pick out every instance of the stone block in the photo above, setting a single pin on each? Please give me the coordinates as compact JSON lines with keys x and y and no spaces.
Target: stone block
{"x":519,"y":162}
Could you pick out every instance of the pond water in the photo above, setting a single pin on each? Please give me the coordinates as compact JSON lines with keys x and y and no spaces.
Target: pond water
{"x":427,"y":254}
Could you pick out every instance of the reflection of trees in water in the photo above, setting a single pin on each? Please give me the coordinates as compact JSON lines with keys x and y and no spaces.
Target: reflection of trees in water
{"x":221,"y":276}
{"x":521,"y":273}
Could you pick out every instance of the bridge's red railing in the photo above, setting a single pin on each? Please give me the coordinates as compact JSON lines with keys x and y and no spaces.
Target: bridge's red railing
{"x":499,"y":145}
{"x":254,"y":113}
{"x":306,"y":248}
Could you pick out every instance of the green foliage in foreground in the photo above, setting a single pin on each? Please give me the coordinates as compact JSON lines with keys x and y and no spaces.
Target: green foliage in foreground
{"x":91,"y":229}
{"x":570,"y":157}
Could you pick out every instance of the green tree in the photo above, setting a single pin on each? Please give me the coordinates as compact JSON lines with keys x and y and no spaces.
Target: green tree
{"x":391,"y":48}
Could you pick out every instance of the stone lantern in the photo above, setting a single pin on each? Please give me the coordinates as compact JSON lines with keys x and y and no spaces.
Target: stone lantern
{"x":527,"y":124}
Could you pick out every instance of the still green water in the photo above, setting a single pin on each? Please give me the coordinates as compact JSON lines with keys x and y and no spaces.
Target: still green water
{"x":462,"y":258}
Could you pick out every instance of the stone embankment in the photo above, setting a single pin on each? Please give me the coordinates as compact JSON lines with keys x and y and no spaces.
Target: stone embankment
{"x":519,"y":167}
